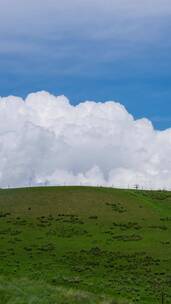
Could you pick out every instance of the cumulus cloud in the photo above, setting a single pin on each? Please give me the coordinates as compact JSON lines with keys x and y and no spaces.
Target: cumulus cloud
{"x":46,"y":140}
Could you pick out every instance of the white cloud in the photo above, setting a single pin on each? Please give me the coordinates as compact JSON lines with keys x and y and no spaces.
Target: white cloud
{"x":44,"y":139}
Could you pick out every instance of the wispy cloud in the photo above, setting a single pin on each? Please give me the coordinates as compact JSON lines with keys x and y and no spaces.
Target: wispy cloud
{"x":86,"y":47}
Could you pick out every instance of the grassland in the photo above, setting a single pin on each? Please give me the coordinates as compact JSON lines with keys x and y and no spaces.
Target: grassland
{"x":84,"y":245}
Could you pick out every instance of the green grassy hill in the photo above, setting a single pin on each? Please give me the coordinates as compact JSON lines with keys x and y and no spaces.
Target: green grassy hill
{"x":84,"y":245}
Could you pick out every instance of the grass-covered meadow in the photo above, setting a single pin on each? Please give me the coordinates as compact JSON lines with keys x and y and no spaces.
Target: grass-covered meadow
{"x":84,"y":245}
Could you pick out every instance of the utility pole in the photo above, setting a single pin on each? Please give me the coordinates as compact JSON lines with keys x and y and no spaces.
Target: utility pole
{"x":162,"y":298}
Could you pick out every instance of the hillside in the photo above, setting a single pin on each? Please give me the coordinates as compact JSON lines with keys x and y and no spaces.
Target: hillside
{"x":84,"y":245}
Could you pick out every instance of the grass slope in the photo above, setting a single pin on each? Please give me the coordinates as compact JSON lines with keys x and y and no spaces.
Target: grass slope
{"x":75,"y":244}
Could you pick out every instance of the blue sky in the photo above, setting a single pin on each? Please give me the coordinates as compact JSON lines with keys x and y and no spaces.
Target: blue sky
{"x":90,"y":50}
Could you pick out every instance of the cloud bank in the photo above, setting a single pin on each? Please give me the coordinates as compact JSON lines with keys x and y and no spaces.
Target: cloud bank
{"x":46,"y":140}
